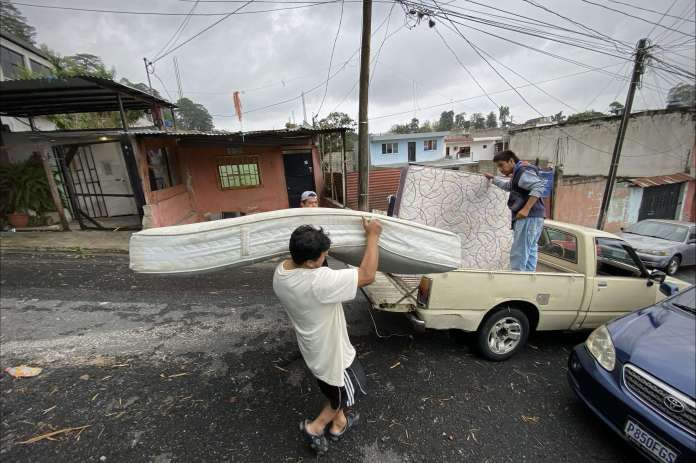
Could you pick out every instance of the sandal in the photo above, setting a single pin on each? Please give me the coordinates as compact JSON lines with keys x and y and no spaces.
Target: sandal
{"x":317,"y":443}
{"x":352,"y":420}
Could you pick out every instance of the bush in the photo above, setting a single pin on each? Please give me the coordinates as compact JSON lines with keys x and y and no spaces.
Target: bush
{"x":24,"y":186}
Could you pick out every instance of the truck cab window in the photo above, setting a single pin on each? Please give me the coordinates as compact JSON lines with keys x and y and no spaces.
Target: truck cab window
{"x":561,"y":245}
{"x":615,"y":259}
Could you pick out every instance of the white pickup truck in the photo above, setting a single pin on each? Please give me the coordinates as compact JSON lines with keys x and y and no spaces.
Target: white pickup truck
{"x":584,"y":278}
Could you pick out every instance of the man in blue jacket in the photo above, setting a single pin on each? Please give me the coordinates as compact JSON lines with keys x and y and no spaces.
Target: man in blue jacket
{"x":526,"y":188}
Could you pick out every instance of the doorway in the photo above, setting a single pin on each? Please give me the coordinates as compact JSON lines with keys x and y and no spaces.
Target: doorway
{"x":660,"y":202}
{"x":299,"y":176}
{"x":412,"y":151}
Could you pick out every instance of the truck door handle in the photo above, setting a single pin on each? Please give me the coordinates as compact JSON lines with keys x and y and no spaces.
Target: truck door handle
{"x":602,"y":284}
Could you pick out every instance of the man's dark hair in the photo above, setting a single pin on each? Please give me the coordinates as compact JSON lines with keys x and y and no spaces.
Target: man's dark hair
{"x":505,"y":156}
{"x":307,"y":243}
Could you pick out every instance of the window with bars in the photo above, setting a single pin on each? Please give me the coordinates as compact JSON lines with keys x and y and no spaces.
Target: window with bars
{"x":236,"y":173}
{"x":390,"y":148}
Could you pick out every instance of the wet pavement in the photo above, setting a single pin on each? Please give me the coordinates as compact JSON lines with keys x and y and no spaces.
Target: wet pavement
{"x":206,"y":368}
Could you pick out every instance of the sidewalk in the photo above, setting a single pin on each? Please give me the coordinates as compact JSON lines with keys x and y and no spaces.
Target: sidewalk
{"x":76,"y":241}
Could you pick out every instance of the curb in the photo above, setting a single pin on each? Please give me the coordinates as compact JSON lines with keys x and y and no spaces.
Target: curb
{"x":71,"y":250}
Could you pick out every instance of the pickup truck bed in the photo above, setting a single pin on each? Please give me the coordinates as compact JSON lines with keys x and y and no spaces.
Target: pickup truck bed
{"x":393,"y":293}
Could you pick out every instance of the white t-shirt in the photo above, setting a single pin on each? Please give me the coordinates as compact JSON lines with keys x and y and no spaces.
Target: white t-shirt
{"x":312,"y":299}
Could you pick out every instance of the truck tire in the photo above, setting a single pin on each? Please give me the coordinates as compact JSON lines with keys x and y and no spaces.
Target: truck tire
{"x":503,"y":334}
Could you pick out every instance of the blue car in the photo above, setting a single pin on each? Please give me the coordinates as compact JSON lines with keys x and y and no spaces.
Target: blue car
{"x":638,"y":374}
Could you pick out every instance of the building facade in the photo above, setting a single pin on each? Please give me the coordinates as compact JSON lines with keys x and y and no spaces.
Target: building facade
{"x":656,"y":170}
{"x":400,"y":149}
{"x":476,"y":145}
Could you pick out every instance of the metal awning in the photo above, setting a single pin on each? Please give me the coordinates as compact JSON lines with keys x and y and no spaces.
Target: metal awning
{"x":658,"y":180}
{"x":84,"y":94}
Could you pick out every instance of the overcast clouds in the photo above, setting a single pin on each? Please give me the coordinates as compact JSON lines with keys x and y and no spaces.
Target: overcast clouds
{"x":275,"y":56}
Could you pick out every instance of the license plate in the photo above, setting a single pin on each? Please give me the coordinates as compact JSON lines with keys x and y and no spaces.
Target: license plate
{"x":648,"y":443}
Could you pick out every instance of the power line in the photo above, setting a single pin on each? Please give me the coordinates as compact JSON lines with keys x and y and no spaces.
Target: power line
{"x":645,"y":9}
{"x":163,"y":86}
{"x":203,"y":31}
{"x":164,"y":13}
{"x":634,"y":16}
{"x":662,"y":18}
{"x":178,"y":31}
{"x":333,"y":49}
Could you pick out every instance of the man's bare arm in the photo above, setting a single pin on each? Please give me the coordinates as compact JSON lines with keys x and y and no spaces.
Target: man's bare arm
{"x":370,"y":260}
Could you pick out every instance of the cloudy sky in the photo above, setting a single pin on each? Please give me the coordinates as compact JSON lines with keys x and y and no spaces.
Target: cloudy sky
{"x":274,"y":56}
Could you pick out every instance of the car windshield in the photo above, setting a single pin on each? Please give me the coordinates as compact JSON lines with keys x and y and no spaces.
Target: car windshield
{"x":666,"y":231}
{"x":685,"y":300}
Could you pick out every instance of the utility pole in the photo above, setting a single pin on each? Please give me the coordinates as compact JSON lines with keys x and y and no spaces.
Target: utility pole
{"x":147,"y":71}
{"x":641,"y":53}
{"x":304,"y":110}
{"x":363,"y":129}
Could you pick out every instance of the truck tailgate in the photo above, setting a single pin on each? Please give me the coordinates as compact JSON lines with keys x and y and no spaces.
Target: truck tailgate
{"x":393,"y":293}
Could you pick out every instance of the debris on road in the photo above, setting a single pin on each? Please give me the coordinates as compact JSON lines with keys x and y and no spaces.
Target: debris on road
{"x":175,"y":375}
{"x":50,"y":435}
{"x":530,"y":419}
{"x":23,"y":371}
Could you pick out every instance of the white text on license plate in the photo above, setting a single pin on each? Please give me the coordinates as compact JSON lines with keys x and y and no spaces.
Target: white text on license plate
{"x":648,"y":443}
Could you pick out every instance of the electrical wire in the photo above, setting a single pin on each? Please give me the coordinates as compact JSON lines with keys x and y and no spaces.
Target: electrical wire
{"x":163,"y":86}
{"x":178,"y":31}
{"x":645,"y":9}
{"x":201,"y":32}
{"x":633,"y":16}
{"x":333,"y":49}
{"x":661,"y":18}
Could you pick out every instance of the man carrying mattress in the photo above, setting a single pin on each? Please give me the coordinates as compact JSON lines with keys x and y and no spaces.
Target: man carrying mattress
{"x":312,"y":296}
{"x":526,"y":188}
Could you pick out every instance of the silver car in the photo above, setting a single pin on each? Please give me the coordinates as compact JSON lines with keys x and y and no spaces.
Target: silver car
{"x":663,"y":244}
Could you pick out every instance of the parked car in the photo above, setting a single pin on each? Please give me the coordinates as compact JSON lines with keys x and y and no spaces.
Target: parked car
{"x":585,"y":277}
{"x":638,"y":374}
{"x":663,"y":244}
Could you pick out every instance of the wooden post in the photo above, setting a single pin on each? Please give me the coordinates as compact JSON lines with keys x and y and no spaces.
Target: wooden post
{"x":344,"y":170}
{"x":57,"y":202}
{"x":122,"y":112}
{"x":363,"y":129}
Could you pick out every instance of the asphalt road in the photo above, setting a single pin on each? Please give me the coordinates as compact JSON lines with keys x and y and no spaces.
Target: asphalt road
{"x":206,"y":368}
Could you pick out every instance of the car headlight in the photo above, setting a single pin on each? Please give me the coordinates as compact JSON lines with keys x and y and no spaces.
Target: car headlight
{"x":652,"y":252}
{"x":601,"y":347}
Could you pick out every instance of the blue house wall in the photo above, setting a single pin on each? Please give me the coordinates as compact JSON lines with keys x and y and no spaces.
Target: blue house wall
{"x":377,"y":158}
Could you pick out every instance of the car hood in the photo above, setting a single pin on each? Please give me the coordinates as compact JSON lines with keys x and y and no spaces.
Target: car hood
{"x":648,"y":242}
{"x":660,"y":340}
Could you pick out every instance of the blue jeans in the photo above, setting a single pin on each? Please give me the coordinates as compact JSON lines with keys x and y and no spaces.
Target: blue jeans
{"x":525,"y":243}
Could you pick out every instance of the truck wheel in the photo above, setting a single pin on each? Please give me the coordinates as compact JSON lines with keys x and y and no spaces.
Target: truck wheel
{"x":503,"y":334}
{"x":673,"y":265}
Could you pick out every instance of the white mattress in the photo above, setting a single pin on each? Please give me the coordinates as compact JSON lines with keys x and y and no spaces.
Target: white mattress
{"x":405,"y":247}
{"x":464,"y":203}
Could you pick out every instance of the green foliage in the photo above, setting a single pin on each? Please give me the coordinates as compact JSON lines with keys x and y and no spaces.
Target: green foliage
{"x":460,"y":121}
{"x":193,"y":116}
{"x":446,"y":121}
{"x":585,"y":116}
{"x":616,"y":108}
{"x":14,"y":23}
{"x":491,"y":121}
{"x":682,"y":95}
{"x":478,"y":121}
{"x":332,"y":142}
{"x":558,"y":117}
{"x":24,"y":186}
{"x":336,"y":120}
{"x":503,"y":115}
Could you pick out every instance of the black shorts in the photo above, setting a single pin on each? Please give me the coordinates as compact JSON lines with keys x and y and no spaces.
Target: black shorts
{"x":355,"y":385}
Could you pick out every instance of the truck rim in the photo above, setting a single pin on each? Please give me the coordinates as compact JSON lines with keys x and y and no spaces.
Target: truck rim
{"x":505,"y":335}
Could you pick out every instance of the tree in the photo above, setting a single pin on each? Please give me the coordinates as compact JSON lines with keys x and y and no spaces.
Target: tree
{"x":558,"y":117}
{"x":616,"y":108}
{"x":193,"y":116}
{"x":414,"y":125}
{"x":504,"y":114}
{"x":460,"y":121}
{"x":681,"y":95}
{"x":477,"y":121}
{"x":446,"y":121}
{"x":14,"y":23}
{"x":143,"y":87}
{"x":585,"y":115}
{"x":491,"y":121}
{"x":336,"y":120}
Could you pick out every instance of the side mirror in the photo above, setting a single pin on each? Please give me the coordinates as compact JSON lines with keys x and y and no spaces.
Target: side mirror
{"x":658,"y":275}
{"x":622,"y":229}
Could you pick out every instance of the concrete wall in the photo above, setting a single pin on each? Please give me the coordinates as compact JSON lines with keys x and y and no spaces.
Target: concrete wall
{"x":657,"y":143}
{"x":379,"y":159}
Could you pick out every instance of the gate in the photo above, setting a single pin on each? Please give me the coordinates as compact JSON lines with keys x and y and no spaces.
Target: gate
{"x":660,"y":202}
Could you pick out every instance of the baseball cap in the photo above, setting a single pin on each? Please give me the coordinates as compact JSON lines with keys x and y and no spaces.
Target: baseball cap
{"x":308,"y":194}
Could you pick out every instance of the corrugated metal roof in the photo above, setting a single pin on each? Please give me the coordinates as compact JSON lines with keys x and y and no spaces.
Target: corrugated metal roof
{"x":658,"y":180}
{"x":383,"y":182}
